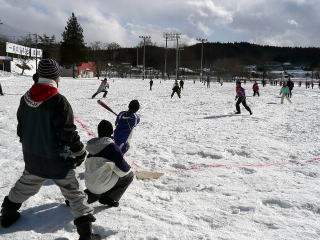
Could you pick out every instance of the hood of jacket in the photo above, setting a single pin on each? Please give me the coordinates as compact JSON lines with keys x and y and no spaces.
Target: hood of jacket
{"x":96,"y":145}
{"x":40,"y":92}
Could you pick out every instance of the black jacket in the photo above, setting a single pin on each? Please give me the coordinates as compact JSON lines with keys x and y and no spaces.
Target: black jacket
{"x":46,"y":131}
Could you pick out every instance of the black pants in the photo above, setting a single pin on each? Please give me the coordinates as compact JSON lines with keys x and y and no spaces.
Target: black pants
{"x":175,"y":91}
{"x":150,"y":87}
{"x":256,"y":92}
{"x":244,"y":103}
{"x":290,"y":93}
{"x":104,"y":95}
{"x":1,"y":93}
{"x":118,"y":190}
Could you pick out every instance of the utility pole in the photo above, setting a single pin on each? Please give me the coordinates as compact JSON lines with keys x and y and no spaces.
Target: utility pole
{"x":137,"y":56}
{"x":202,"y":40}
{"x":167,"y":36}
{"x":36,"y":35}
{"x":144,"y":53}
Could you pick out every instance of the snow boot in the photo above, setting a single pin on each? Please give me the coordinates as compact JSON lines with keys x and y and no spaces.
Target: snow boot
{"x":108,"y":201}
{"x":237,"y":113}
{"x":84,"y":227}
{"x":91,"y":196}
{"x":9,"y":212}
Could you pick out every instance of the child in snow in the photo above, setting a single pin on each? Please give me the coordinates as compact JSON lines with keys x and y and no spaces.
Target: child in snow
{"x":107,"y":174}
{"x":241,"y":96}
{"x":125,"y":123}
{"x":255,"y":89}
{"x":284,"y":92}
{"x":175,"y":89}
{"x":102,"y":88}
{"x":51,"y":150}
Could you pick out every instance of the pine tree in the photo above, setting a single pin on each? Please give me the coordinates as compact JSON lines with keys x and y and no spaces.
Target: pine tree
{"x":73,"y":49}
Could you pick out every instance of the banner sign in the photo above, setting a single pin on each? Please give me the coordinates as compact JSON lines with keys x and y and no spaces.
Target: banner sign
{"x":36,"y":52}
{"x":22,"y":50}
{"x":17,"y":49}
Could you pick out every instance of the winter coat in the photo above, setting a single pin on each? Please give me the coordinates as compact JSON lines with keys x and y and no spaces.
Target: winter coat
{"x":176,"y":87}
{"x":103,"y":86}
{"x":104,"y":165}
{"x":255,"y":87}
{"x":240,"y":93}
{"x":285,"y":90}
{"x":290,"y":84}
{"x":125,"y":123}
{"x":47,"y":131}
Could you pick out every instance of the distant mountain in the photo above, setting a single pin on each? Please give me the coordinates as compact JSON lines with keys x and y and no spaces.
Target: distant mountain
{"x":11,"y":33}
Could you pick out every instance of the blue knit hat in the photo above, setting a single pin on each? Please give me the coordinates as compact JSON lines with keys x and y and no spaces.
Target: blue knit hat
{"x":49,"y":68}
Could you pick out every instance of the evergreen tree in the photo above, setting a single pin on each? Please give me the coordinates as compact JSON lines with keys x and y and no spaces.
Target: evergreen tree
{"x":73,"y":49}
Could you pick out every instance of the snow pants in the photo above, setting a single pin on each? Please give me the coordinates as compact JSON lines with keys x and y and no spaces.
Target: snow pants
{"x":244,"y":103}
{"x":176,"y":91}
{"x":104,"y":95}
{"x":1,"y":93}
{"x":256,"y":92}
{"x":29,"y":184}
{"x":285,"y":96}
{"x":118,"y":190}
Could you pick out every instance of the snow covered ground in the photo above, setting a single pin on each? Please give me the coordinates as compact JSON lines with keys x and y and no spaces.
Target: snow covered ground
{"x":227,"y":176}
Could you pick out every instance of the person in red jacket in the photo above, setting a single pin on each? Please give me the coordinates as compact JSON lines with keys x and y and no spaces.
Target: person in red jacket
{"x":255,"y":89}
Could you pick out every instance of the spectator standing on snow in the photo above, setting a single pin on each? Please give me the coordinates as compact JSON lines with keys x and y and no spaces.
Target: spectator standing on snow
{"x":255,"y":89}
{"x":51,"y":150}
{"x":290,"y":85}
{"x":284,"y":92}
{"x":241,"y":98}
{"x":107,"y":174}
{"x":125,"y":123}
{"x":312,"y":84}
{"x":176,"y":89}
{"x":104,"y":85}
{"x":151,"y":83}
{"x":181,"y":84}
{"x":1,"y":93}
{"x":208,"y":81}
{"x":263,"y":83}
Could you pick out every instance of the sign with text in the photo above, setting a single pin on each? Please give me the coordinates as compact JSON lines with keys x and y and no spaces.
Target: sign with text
{"x":22,"y":50}
{"x":17,"y":49}
{"x":36,"y":52}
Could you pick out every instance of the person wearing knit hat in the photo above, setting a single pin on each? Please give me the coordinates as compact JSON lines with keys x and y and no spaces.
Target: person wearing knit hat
{"x":107,"y":174}
{"x":51,"y":148}
{"x":125,"y":123}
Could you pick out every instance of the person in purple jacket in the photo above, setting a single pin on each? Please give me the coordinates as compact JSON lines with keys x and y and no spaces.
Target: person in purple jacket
{"x":241,"y":97}
{"x":125,"y":123}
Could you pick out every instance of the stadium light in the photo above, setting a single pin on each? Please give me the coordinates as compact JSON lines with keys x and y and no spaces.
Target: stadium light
{"x":144,"y":53}
{"x":202,"y":40}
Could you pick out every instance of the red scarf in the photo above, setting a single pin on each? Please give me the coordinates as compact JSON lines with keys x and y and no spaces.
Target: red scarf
{"x":42,"y":92}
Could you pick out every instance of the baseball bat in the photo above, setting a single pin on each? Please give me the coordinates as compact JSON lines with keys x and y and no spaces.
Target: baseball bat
{"x":103,"y":104}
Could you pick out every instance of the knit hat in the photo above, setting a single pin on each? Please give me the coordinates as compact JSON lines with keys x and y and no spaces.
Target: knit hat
{"x":49,"y":68}
{"x":134,"y":105}
{"x":105,"y":129}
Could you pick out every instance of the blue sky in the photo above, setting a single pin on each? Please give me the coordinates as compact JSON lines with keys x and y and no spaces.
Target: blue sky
{"x":272,"y":22}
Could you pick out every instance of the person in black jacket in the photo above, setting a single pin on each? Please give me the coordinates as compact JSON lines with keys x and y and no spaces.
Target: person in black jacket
{"x":1,"y":93}
{"x":176,"y":89}
{"x":290,"y":85}
{"x":51,"y":150}
{"x":151,"y":83}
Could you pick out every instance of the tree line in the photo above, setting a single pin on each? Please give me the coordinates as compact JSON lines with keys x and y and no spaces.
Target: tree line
{"x":72,"y":50}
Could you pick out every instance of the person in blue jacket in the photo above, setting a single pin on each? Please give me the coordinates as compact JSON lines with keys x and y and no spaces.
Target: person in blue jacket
{"x":125,"y":123}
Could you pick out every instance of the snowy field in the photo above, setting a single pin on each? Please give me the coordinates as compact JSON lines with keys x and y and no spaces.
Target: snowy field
{"x":227,"y":177}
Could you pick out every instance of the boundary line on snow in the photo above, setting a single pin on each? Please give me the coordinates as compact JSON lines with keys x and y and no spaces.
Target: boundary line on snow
{"x":275,"y":164}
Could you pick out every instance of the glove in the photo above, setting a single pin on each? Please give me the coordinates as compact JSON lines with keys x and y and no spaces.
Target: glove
{"x":76,"y":159}
{"x":79,"y":159}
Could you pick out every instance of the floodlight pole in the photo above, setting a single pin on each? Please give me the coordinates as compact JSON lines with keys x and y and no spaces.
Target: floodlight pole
{"x":202,"y":40}
{"x":144,"y":54}
{"x":177,"y":36}
{"x":166,"y":36}
{"x":35,"y":34}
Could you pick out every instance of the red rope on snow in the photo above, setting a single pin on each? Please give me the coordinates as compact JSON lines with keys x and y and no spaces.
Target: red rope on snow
{"x":91,"y":134}
{"x":195,"y":168}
